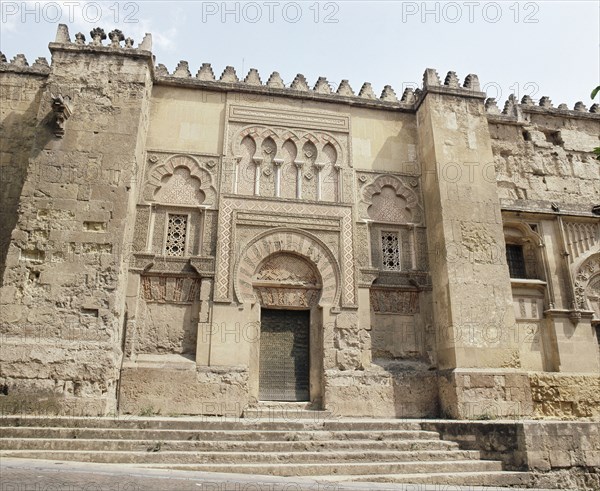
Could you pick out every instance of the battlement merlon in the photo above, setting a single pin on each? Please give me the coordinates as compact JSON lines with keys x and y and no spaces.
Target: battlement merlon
{"x":299,"y":88}
{"x":118,"y":44}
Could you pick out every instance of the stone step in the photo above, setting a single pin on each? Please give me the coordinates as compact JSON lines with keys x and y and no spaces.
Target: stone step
{"x":204,"y":435}
{"x":487,"y":478}
{"x":156,"y":455}
{"x":344,"y":468}
{"x":210,"y":423}
{"x":273,"y":413}
{"x":220,"y":446}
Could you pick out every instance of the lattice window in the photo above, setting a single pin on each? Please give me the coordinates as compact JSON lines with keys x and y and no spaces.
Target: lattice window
{"x":390,"y":251}
{"x":516,"y":261}
{"x":176,"y":232}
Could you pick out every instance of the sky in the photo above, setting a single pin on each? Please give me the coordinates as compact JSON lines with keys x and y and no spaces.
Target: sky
{"x":543,"y":48}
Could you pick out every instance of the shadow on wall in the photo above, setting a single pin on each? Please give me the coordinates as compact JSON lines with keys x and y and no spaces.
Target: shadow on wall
{"x":18,"y":146}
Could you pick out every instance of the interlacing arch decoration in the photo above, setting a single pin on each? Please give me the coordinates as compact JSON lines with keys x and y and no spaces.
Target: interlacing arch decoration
{"x":315,"y":154}
{"x":292,"y":241}
{"x":158,"y":177}
{"x":405,"y":199}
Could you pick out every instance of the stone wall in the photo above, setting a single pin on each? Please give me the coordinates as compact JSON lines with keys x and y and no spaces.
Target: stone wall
{"x":21,"y":88}
{"x":558,"y":454}
{"x":63,"y":293}
{"x":543,"y":155}
{"x":144,"y":206}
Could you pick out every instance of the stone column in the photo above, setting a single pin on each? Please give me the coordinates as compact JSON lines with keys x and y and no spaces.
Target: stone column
{"x":476,"y":344}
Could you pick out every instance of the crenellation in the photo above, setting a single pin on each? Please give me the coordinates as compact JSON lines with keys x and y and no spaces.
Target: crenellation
{"x":546,"y":102}
{"x":511,"y":106}
{"x":431,"y":78}
{"x":472,"y":82}
{"x":526,"y":100}
{"x":40,"y":63}
{"x":580,"y":107}
{"x":79,"y":38}
{"x":366,"y":91}
{"x":322,"y":86}
{"x":451,"y":80}
{"x":19,"y":61}
{"x":2,"y":57}
{"x":345,"y":90}
{"x":161,"y":70}
{"x":388,"y":94}
{"x":146,"y":43}
{"x":253,"y":77}
{"x":491,"y":106}
{"x":62,"y":34}
{"x":563,"y":107}
{"x":408,"y":96}
{"x":275,"y":81}
{"x":205,"y":73}
{"x":299,"y":83}
{"x":182,"y":70}
{"x":595,"y":108}
{"x":229,"y":76}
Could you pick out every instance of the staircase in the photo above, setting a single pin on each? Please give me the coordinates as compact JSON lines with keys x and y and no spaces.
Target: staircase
{"x":319,"y":448}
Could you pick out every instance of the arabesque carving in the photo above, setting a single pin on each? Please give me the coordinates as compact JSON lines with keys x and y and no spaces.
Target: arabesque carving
{"x":181,"y":179}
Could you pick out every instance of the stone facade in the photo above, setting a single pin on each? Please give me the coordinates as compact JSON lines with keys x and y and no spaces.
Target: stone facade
{"x":447,"y":252}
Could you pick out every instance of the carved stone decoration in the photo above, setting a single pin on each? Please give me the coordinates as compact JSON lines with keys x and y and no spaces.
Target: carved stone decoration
{"x":171,"y":289}
{"x":180,"y":188}
{"x":281,"y":153}
{"x":310,"y":255}
{"x":388,"y":301}
{"x":587,"y":279}
{"x":582,"y":237}
{"x":389,"y":199}
{"x":181,"y":179}
{"x":116,"y":36}
{"x":228,"y":246}
{"x":98,"y":36}
{"x":593,"y":295}
{"x":286,"y":280}
{"x":62,"y":111}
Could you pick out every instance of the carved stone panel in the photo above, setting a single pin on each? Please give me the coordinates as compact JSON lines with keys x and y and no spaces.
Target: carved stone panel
{"x":228,"y":253}
{"x":389,"y":198}
{"x":389,"y":301}
{"x":587,"y":279}
{"x":286,"y":280}
{"x":170,"y":289}
{"x":288,"y":163}
{"x":181,"y":179}
{"x":312,"y":255}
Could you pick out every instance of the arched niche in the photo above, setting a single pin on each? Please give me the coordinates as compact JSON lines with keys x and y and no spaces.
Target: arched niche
{"x":186,"y":175}
{"x":287,"y":280}
{"x":388,"y":199}
{"x":298,"y":243}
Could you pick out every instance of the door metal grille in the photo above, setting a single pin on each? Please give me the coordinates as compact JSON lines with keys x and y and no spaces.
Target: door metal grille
{"x":284,"y":355}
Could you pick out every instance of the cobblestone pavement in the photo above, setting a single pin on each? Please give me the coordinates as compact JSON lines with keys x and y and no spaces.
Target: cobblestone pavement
{"x":38,"y":475}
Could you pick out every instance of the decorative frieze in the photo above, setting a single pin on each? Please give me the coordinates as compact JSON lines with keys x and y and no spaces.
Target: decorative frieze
{"x":170,"y":289}
{"x":389,"y":301}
